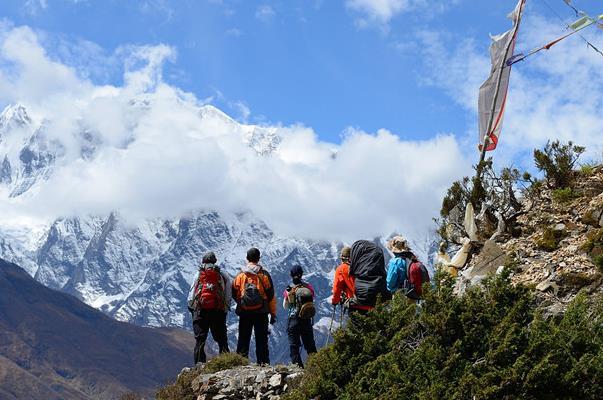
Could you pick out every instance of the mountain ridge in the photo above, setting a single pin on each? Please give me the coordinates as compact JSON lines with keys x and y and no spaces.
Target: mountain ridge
{"x":54,"y":344}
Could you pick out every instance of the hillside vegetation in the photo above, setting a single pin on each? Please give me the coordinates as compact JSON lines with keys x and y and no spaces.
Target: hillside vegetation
{"x":490,"y":343}
{"x":532,"y":331}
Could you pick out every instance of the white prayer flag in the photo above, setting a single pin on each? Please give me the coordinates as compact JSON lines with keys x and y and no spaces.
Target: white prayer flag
{"x":493,"y":92}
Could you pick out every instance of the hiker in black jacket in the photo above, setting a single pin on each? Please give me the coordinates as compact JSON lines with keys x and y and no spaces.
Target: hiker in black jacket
{"x":367,"y":267}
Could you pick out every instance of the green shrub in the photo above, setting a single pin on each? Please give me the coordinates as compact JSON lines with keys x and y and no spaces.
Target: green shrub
{"x":181,"y":389}
{"x":557,"y":161}
{"x":594,"y":239}
{"x":549,"y":241}
{"x":598,"y":260}
{"x":564,"y":195}
{"x":488,"y":344}
{"x":588,"y":169}
{"x":224,"y":361}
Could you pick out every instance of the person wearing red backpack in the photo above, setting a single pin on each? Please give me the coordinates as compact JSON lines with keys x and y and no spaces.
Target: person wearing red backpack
{"x":209,"y":302}
{"x":253,"y":292}
{"x":405,"y":271}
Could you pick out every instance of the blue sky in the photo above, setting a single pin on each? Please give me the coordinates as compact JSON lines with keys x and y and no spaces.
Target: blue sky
{"x":389,"y":86}
{"x":320,"y":63}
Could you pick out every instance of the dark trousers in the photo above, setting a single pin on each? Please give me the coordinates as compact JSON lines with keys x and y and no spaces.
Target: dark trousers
{"x":300,"y":330}
{"x":258,"y":322}
{"x":204,"y":322}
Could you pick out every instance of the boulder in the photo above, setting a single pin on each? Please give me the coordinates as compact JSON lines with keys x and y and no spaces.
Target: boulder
{"x":247,"y":382}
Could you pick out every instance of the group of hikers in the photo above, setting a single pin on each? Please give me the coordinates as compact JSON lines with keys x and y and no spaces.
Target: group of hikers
{"x":360,"y":280}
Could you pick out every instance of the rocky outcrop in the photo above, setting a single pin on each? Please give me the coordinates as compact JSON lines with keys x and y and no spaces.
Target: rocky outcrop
{"x":247,"y":382}
{"x":560,"y":248}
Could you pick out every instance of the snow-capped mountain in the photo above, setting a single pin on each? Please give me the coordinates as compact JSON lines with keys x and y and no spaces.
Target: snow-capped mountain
{"x":141,"y":272}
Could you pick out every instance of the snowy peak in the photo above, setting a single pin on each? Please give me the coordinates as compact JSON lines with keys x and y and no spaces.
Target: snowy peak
{"x":263,"y":140}
{"x":13,"y":116}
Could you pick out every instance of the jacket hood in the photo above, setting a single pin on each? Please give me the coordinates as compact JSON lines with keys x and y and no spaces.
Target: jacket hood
{"x":252,"y":268}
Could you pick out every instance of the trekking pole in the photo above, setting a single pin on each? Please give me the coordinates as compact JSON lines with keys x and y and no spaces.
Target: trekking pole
{"x":330,"y":325}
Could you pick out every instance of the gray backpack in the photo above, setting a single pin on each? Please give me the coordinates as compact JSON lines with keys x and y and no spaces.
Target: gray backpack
{"x":300,"y":296}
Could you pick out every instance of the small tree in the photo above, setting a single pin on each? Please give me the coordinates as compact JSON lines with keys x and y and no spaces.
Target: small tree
{"x":557,"y":161}
{"x":494,"y":195}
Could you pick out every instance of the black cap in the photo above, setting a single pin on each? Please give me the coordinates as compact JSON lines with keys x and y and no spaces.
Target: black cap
{"x":209,"y":258}
{"x":253,"y":255}
{"x":297,"y":271}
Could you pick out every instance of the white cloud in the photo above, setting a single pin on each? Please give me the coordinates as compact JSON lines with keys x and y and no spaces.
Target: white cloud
{"x":158,"y":157}
{"x":234,"y":32}
{"x":34,"y":7}
{"x":265,"y":13}
{"x":556,"y":94}
{"x":380,"y":12}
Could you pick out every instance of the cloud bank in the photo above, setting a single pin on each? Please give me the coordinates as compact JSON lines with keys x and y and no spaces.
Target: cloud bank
{"x":158,"y":151}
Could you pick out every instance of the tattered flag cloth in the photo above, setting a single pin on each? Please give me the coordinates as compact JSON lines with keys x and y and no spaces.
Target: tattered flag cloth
{"x":493,"y":92}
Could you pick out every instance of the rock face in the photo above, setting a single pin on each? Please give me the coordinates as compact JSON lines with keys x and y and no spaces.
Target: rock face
{"x":557,"y":252}
{"x":247,"y":382}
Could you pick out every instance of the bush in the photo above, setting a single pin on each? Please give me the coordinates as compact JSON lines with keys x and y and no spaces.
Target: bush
{"x":588,"y":169}
{"x":549,"y":241}
{"x":182,"y":388}
{"x":598,"y":260}
{"x":488,"y":344}
{"x":557,"y":161}
{"x":564,"y":195}
{"x":224,"y":361}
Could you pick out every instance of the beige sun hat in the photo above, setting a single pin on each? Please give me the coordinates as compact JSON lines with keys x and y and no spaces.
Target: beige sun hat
{"x":345,"y":253}
{"x":397,"y":244}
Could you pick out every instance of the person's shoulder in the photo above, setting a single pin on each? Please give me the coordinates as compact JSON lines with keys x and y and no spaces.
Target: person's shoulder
{"x":396,"y":261}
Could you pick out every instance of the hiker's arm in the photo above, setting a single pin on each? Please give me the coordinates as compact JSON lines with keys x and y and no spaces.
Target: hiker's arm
{"x":272,"y":306}
{"x":235,"y":289}
{"x":338,"y":286}
{"x":271,"y":295}
{"x":227,"y":291}
{"x":192,"y":290}
{"x":392,"y":276}
{"x":285,"y":300}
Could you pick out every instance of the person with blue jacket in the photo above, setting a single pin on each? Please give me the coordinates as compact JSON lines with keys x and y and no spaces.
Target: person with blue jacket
{"x":396,"y":269}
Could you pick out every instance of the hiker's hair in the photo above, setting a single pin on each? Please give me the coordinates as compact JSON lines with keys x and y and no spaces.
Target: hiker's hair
{"x":253,"y":255}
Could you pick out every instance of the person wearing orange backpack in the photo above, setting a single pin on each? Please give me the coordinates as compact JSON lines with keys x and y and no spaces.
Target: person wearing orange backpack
{"x":253,"y":292}
{"x":209,"y":302}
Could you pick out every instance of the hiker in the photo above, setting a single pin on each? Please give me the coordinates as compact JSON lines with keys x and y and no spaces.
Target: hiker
{"x":299,"y":303}
{"x":343,"y":284}
{"x":367,"y":269}
{"x":253,"y":292}
{"x":209,"y":302}
{"x":405,"y":271}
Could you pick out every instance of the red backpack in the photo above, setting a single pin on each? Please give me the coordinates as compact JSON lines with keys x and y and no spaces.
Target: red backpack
{"x":414,"y":290}
{"x":210,"y":289}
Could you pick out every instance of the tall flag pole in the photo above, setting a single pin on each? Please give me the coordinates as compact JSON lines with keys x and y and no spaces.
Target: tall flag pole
{"x":493,"y":92}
